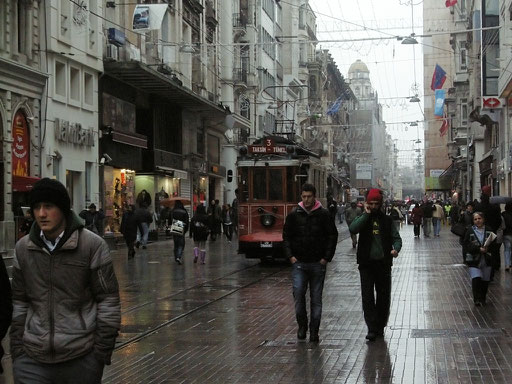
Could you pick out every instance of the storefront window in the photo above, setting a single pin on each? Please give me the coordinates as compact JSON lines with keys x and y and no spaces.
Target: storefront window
{"x":200,"y":187}
{"x":119,"y":194}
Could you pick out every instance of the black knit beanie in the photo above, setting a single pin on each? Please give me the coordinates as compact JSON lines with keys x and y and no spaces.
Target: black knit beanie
{"x":50,"y":191}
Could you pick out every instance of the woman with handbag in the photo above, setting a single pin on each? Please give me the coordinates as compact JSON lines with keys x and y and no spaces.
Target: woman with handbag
{"x":477,"y":243}
{"x":179,"y":227}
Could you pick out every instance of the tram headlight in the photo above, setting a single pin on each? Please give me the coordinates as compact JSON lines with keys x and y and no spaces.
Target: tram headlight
{"x":267,"y":220}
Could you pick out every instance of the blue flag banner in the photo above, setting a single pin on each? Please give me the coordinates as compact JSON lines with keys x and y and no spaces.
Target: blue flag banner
{"x":439,"y":106}
{"x":335,"y":107}
{"x":438,"y":78}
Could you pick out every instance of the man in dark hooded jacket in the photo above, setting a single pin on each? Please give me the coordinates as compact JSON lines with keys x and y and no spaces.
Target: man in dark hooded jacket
{"x":5,"y":306}
{"x":310,"y":237}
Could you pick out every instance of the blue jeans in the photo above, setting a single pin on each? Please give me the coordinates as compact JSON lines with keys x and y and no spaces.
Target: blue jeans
{"x":143,"y":238}
{"x":436,"y":222}
{"x":312,"y":274}
{"x":179,"y":246}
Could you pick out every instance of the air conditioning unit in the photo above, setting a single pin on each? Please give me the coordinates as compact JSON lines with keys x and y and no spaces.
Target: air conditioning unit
{"x":112,"y":53}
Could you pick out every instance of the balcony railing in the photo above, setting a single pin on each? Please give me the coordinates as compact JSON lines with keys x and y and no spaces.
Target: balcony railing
{"x":240,"y":75}
{"x":240,"y":20}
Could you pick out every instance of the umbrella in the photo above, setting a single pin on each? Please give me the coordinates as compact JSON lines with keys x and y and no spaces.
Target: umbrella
{"x":500,"y":199}
{"x":169,"y":202}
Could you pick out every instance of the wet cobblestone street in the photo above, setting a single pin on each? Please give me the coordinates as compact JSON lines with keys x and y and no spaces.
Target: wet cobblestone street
{"x":232,"y":321}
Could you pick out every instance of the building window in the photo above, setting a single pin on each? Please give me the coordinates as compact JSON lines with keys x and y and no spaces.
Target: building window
{"x":60,"y":78}
{"x":22,"y":27}
{"x":213,"y":149}
{"x":200,"y":141}
{"x":268,"y":7}
{"x":74,"y":83}
{"x":88,"y":172}
{"x":268,"y":43}
{"x":463,"y":56}
{"x":88,"y":88}
{"x":463,"y":112}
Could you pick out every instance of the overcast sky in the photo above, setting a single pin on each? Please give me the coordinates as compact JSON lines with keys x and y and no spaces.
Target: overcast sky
{"x":391,"y":64}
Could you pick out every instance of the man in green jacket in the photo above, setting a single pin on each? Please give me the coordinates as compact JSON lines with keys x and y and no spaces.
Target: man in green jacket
{"x":379,"y":243}
{"x":65,"y":296}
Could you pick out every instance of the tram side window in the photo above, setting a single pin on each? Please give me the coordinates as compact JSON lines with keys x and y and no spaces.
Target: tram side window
{"x":275,"y":184}
{"x":259,"y":182}
{"x":243,"y":185}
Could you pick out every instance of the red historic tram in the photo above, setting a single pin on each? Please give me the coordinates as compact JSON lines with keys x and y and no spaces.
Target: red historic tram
{"x":270,"y":175}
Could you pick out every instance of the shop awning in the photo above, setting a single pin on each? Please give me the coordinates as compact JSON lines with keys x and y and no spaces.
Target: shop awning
{"x":23,"y":183}
{"x":448,"y":172}
{"x":148,"y":79}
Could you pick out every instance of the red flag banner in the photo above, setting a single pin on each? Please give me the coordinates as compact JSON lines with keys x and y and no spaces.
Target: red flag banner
{"x":450,"y":3}
{"x":444,"y":127}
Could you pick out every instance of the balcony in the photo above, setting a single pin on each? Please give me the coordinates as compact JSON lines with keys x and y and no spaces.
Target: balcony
{"x":240,"y":76}
{"x":240,"y":20}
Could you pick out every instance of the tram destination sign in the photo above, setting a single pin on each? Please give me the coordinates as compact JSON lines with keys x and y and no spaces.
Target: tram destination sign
{"x":267,"y":149}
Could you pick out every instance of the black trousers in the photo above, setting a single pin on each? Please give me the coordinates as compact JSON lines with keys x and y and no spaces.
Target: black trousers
{"x":376,"y":294}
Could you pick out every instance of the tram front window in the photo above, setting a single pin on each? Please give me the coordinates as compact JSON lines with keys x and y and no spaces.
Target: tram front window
{"x":275,"y":184}
{"x":259,"y":182}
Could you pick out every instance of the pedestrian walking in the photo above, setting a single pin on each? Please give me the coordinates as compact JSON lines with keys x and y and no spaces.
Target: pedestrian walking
{"x":507,"y":235}
{"x":437,"y":218}
{"x":234,"y":207}
{"x":309,"y":238}
{"x":466,"y":221}
{"x":397,"y":216}
{"x":227,"y":221}
{"x":341,"y":212}
{"x":199,"y":231}
{"x":65,"y":293}
{"x":379,"y":243}
{"x":145,"y":218}
{"x":217,"y":216}
{"x":179,"y":216}
{"x":212,"y":221}
{"x":350,"y":214}
{"x":478,"y":241}
{"x":130,"y":225}
{"x":5,"y":306}
{"x":493,"y":219}
{"x":417,"y":218}
{"x":332,"y":207}
{"x":93,"y":219}
{"x":428,"y":211}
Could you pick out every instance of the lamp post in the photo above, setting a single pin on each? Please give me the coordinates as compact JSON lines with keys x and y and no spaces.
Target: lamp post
{"x":468,"y":166}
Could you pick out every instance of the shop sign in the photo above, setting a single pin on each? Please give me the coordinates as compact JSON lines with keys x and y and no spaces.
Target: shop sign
{"x":73,"y":133}
{"x":20,"y":146}
{"x":436,"y":172}
{"x":363,"y":171}
{"x":217,"y":170}
{"x":490,"y":102}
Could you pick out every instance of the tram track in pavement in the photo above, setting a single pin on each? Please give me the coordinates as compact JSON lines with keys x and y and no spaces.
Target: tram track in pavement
{"x":207,"y":285}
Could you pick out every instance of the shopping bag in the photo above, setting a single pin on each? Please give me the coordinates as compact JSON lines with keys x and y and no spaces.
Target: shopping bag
{"x":177,"y":227}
